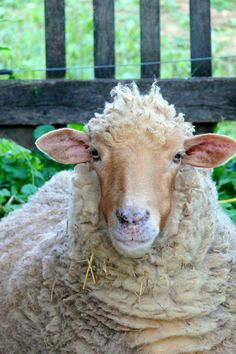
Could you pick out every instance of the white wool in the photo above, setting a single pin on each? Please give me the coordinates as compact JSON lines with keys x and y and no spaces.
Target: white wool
{"x":129,"y":107}
{"x":178,"y":298}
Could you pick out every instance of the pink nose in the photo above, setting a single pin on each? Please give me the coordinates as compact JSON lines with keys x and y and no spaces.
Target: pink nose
{"x":129,"y":217}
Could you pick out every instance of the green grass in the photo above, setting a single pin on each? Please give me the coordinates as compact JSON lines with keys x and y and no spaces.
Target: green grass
{"x":22,"y":42}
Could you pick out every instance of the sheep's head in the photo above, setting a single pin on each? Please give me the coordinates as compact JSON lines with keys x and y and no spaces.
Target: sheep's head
{"x":136,"y":148}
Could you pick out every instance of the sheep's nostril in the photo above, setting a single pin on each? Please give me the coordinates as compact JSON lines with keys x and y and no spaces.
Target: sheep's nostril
{"x":129,"y":217}
{"x":121,"y":216}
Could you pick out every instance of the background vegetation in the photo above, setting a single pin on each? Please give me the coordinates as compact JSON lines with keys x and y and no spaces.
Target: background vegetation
{"x":22,"y":47}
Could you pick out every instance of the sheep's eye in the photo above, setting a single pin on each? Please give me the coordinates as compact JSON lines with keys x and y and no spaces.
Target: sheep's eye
{"x":95,"y":155}
{"x":177,"y":158}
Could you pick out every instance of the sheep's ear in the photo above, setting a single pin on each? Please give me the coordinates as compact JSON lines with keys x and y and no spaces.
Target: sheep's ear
{"x":208,"y":150}
{"x":65,"y":145}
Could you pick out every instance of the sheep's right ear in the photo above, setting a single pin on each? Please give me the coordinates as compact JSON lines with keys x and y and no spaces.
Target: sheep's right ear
{"x":65,"y":145}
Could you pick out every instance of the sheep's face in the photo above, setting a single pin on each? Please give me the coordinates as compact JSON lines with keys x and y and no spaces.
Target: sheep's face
{"x":136,"y":174}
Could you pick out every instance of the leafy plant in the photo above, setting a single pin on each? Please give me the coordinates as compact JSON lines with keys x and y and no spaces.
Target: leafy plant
{"x":225,"y":175}
{"x":23,"y":172}
{"x":42,"y":129}
{"x":226,"y":184}
{"x":77,"y":126}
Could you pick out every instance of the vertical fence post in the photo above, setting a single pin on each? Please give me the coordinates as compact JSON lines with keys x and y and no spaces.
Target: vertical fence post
{"x":150,"y":37}
{"x":200,"y":34}
{"x":104,"y":37}
{"x":55,"y":37}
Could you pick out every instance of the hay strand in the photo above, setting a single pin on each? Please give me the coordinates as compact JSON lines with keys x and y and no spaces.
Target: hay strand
{"x":89,"y":269}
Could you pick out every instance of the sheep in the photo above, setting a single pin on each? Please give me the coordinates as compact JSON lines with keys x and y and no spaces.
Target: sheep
{"x":130,"y":252}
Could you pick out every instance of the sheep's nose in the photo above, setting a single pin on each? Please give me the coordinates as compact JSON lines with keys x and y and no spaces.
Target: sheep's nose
{"x":129,"y":217}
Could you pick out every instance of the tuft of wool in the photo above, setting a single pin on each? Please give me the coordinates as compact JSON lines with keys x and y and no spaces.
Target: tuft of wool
{"x":129,"y":107}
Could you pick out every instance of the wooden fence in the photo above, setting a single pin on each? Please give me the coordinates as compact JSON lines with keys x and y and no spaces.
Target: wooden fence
{"x":55,"y":100}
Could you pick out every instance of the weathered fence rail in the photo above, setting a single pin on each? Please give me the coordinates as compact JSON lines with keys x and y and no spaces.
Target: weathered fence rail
{"x":203,"y":99}
{"x":62,"y":101}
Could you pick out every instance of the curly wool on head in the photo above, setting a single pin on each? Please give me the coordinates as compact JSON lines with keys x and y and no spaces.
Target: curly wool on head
{"x":130,"y":108}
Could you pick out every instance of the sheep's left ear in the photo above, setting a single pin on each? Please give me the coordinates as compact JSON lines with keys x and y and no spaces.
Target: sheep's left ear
{"x":208,"y":150}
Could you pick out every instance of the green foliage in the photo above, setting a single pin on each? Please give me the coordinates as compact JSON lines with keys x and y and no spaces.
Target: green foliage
{"x":42,"y":129}
{"x":22,"y":173}
{"x":225,"y":175}
{"x":26,"y":49}
{"x":77,"y":126}
{"x":221,"y":5}
{"x":227,"y":128}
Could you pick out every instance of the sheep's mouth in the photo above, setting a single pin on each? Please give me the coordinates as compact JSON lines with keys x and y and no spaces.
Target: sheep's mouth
{"x":135,"y":245}
{"x":130,"y":238}
{"x":132,"y":248}
{"x":131,"y":242}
